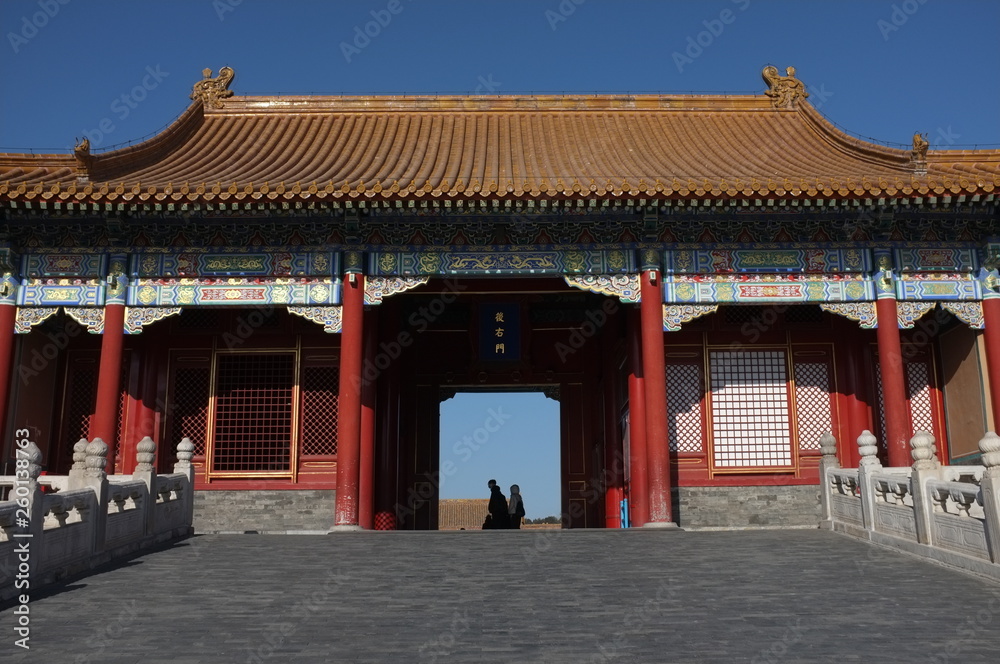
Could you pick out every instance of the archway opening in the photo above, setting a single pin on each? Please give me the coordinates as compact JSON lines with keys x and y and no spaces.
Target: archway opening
{"x":512,"y":437}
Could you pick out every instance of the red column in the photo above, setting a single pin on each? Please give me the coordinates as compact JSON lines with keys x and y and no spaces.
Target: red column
{"x":654,"y":372}
{"x":8,"y":312}
{"x":349,"y":404}
{"x":991,"y":337}
{"x":109,"y":372}
{"x":366,"y":505}
{"x":638,"y":486}
{"x":890,"y":364}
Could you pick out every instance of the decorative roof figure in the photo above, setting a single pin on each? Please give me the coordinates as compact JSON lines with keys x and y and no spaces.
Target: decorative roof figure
{"x":81,"y":151}
{"x":211,"y":91}
{"x":783,"y":90}
{"x":918,"y":156}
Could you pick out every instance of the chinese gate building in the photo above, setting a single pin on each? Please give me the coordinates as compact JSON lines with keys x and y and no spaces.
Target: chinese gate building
{"x":706,"y":284}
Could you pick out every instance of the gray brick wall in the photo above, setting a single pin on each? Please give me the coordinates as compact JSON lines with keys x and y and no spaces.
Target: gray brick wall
{"x":746,"y":506}
{"x":263,"y":511}
{"x":694,"y":507}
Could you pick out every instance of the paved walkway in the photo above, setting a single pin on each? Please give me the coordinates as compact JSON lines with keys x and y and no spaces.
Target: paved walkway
{"x":573,"y":596}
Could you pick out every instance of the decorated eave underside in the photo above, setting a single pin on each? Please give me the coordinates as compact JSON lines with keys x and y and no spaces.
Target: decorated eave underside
{"x":465,"y":151}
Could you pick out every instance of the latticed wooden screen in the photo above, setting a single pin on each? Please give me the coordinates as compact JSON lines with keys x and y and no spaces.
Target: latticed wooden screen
{"x":685,"y":390}
{"x":319,"y":410}
{"x":253,"y":421}
{"x":188,"y":415}
{"x":919,"y":388}
{"x":751,"y":422}
{"x":813,"y":409}
{"x":81,"y":386}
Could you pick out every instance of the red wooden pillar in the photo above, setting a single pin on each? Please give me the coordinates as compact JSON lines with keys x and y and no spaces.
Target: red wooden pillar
{"x":638,"y":487}
{"x":890,"y":364}
{"x":349,"y":404}
{"x":654,"y":372}
{"x":109,"y":373}
{"x":8,"y":313}
{"x":991,"y":337}
{"x":366,"y":504}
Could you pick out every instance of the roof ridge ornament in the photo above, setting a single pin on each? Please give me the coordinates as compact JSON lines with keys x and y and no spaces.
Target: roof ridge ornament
{"x":81,"y":152}
{"x":918,"y":155}
{"x":783,"y":90}
{"x":211,"y":91}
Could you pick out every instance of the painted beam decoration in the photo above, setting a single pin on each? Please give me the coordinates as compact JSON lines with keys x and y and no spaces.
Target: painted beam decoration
{"x":234,"y":291}
{"x":777,"y":260}
{"x":760,"y":275}
{"x":502,"y":262}
{"x":153,"y":282}
{"x":205,"y":263}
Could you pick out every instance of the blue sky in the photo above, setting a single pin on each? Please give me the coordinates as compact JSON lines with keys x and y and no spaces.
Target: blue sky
{"x":881,"y":69}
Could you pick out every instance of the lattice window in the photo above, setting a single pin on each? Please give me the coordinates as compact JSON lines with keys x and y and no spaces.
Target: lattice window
{"x":919,"y":392}
{"x":189,"y":409}
{"x":80,"y":398}
{"x":813,"y":411}
{"x":684,"y":392}
{"x":804,"y":314}
{"x":319,"y":410}
{"x":122,"y":410}
{"x":253,"y":412}
{"x":740,"y":315}
{"x":750,"y":414}
{"x":199,"y":318}
{"x":883,"y":445}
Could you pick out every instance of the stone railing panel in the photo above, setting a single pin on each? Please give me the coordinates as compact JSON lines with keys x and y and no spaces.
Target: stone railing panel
{"x":92,"y":517}
{"x":950,"y":514}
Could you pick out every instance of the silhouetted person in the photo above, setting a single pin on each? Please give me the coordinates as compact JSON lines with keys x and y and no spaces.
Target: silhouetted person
{"x":515,"y":507}
{"x":497,"y":518}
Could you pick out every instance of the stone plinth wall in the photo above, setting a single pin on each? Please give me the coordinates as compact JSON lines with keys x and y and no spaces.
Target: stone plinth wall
{"x":263,"y":511}
{"x":747,"y":506}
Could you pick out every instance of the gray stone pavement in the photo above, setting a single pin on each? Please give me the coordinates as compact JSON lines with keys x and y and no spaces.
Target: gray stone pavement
{"x":515,"y":596}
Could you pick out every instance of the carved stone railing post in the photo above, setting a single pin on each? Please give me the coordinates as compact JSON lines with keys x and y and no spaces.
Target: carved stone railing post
{"x":145,"y":454}
{"x":36,"y":499}
{"x":79,"y":470}
{"x":97,"y":479}
{"x":869,"y":464}
{"x":990,"y":490}
{"x":185,"y":451}
{"x":925,"y":467}
{"x":828,"y":446}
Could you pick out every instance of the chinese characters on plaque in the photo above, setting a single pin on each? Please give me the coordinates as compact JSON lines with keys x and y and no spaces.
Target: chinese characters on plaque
{"x":499,"y":332}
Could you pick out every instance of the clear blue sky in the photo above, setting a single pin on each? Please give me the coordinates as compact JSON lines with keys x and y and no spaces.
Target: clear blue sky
{"x":881,"y":69}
